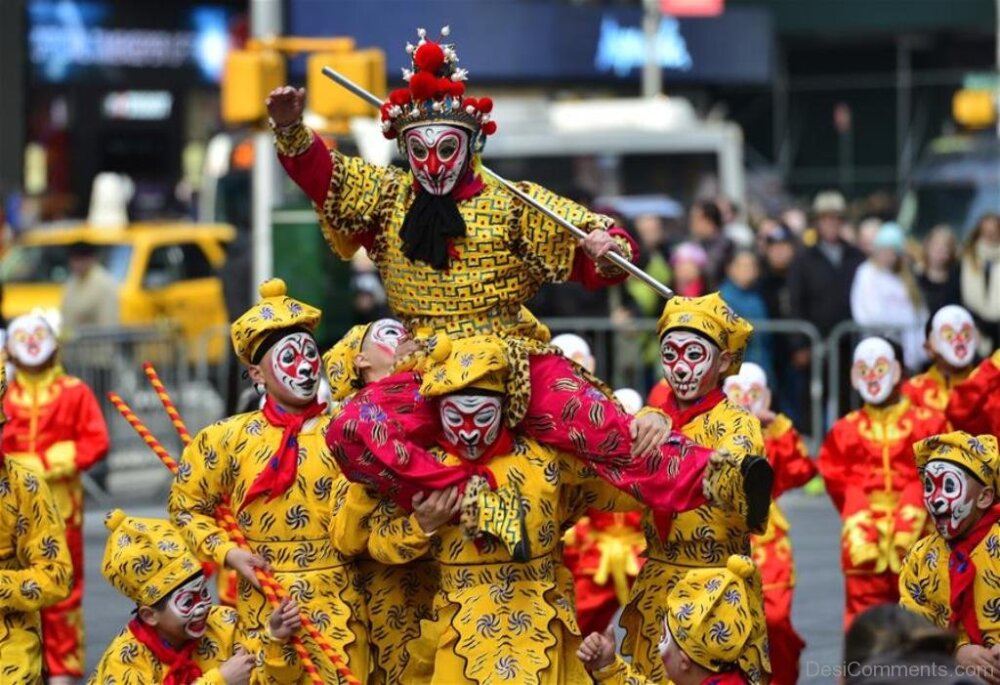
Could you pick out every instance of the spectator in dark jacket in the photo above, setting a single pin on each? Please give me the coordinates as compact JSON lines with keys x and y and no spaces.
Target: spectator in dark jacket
{"x":705,"y":223}
{"x":820,"y":279}
{"x":939,"y":279}
{"x":779,"y":248}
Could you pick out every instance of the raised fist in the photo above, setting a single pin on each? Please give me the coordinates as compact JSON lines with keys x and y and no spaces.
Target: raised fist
{"x":285,"y":105}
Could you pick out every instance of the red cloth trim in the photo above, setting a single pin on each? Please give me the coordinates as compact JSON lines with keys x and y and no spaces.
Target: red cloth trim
{"x":585,"y":270}
{"x":504,"y":445}
{"x":279,"y":473}
{"x":181,"y":668}
{"x":962,"y":575}
{"x":312,"y":170}
{"x":682,"y":417}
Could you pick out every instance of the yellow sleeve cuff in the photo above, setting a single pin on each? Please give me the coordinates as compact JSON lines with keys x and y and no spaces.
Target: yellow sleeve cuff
{"x":62,"y":459}
{"x":291,"y":140}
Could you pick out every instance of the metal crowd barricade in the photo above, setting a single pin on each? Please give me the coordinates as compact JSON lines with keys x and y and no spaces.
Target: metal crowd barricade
{"x":618,"y":348}
{"x":210,"y":367}
{"x":111,"y":359}
{"x":852,"y":332}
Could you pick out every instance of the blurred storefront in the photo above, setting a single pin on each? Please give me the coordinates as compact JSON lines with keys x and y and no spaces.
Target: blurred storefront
{"x":130,"y":87}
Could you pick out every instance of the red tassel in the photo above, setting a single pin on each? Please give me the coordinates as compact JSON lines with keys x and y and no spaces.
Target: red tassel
{"x":429,"y":57}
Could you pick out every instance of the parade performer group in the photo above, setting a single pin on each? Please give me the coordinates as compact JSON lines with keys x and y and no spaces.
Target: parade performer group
{"x":474,"y":494}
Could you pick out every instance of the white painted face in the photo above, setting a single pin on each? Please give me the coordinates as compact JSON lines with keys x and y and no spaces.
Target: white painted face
{"x":190,"y":604}
{"x":296,"y":364}
{"x":577,"y":349}
{"x":471,"y":423}
{"x":386,"y":333}
{"x":950,"y":497}
{"x":875,"y":372}
{"x":954,"y":336}
{"x":30,"y":340}
{"x":438,"y":155}
{"x":749,"y":389}
{"x":689,"y":362}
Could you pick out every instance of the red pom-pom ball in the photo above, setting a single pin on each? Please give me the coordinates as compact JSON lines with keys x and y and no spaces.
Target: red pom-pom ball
{"x":444,"y":85}
{"x":391,"y":133}
{"x":490,"y":127}
{"x":429,"y":57}
{"x":485,"y":105}
{"x":422,"y":85}
{"x":400,"y":96}
{"x":456,"y":89}
{"x":470,"y":102}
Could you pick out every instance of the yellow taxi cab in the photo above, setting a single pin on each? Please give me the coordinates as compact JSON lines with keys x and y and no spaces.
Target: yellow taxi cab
{"x":166,"y":272}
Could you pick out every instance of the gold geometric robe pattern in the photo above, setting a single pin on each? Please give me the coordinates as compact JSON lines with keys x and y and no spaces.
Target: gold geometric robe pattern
{"x":497,"y":620}
{"x":292,"y":531}
{"x":35,"y":569}
{"x":704,"y":537}
{"x":925,"y":585}
{"x":127,"y":661}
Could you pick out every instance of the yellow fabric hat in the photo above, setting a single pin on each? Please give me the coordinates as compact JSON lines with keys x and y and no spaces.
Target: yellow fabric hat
{"x":710,"y":316}
{"x":145,"y":559}
{"x":275,"y":311}
{"x":477,"y":362}
{"x":708,"y":613}
{"x":977,"y":454}
{"x":339,"y":363}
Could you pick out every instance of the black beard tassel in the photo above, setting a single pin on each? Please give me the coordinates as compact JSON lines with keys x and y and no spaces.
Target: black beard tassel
{"x":431,"y":222}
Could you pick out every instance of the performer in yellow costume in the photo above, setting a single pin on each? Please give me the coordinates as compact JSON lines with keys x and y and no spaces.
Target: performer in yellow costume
{"x":502,"y":614}
{"x":35,"y":566}
{"x":273,"y":468}
{"x":708,"y":624}
{"x":55,"y":426}
{"x":177,"y":636}
{"x":701,"y":342}
{"x":952,"y":576}
{"x":398,"y":595}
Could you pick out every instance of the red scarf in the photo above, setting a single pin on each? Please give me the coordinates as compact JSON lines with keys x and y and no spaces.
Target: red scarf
{"x":181,"y":668}
{"x":734,"y":677}
{"x":682,"y":417}
{"x":279,"y":473}
{"x":962,"y":575}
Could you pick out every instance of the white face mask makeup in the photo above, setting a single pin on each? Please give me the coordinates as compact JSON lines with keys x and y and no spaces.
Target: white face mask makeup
{"x":296,"y":364}
{"x":689,"y":363}
{"x":950,"y":497}
{"x":30,"y":341}
{"x":386,"y":333}
{"x":875,"y":372}
{"x":471,"y":423}
{"x":437,"y":154}
{"x":190,"y":604}
{"x":954,"y":336}
{"x":749,"y":389}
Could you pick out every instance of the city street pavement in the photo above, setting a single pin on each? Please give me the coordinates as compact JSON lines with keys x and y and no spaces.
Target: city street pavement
{"x":818,"y":608}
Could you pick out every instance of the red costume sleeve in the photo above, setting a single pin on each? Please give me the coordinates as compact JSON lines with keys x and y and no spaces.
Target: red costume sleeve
{"x":967,"y":401}
{"x":585,"y":269}
{"x":835,"y":465}
{"x":91,"y":438}
{"x":312,"y":170}
{"x":911,"y":390}
{"x":789,"y":458}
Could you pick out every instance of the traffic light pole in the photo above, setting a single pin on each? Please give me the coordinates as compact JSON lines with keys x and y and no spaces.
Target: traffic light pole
{"x":265,"y":22}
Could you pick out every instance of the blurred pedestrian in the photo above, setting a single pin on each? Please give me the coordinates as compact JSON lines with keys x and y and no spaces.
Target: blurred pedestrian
{"x":940,"y":279}
{"x":819,"y":282}
{"x":688,"y":261}
{"x":867,"y":230}
{"x":705,"y":224}
{"x":90,"y":296}
{"x":779,"y":246}
{"x":889,"y":629}
{"x":885,"y":293}
{"x":741,"y":290}
{"x":979,"y":281}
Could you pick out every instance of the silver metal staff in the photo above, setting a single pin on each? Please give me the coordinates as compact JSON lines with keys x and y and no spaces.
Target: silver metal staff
{"x":577,"y":232}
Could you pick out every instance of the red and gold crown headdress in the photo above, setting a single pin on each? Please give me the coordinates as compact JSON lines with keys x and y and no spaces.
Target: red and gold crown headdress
{"x":436,"y":93}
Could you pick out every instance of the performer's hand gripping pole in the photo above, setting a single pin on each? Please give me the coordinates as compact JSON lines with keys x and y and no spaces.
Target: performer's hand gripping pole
{"x":577,"y":232}
{"x":273,"y":591}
